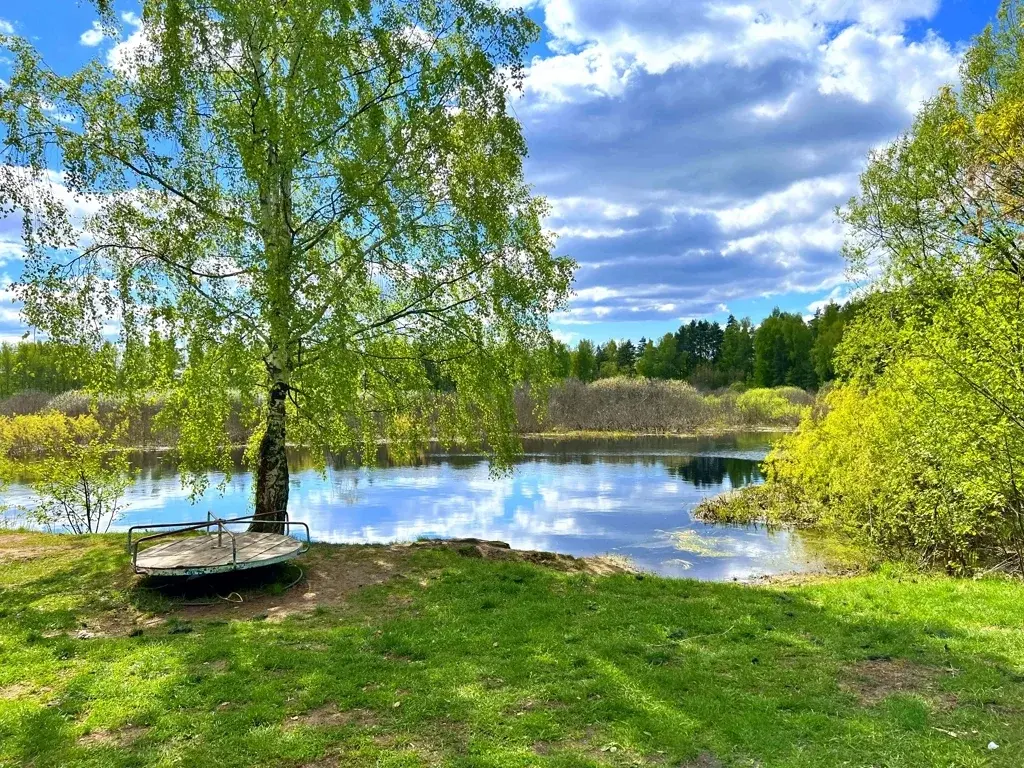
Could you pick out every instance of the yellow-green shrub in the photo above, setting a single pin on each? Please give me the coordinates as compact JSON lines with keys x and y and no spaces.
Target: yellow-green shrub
{"x":29,"y":438}
{"x":782,"y":405}
{"x":72,"y":466}
{"x":884,"y":463}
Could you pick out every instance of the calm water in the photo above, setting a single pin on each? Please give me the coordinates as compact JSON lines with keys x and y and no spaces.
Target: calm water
{"x":583,"y":497}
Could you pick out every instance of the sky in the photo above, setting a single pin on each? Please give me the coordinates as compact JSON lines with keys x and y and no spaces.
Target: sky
{"x":692,"y":151}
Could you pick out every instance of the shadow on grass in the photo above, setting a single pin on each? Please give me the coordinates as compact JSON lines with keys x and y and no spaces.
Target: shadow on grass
{"x":162,"y":593}
{"x":57,"y":589}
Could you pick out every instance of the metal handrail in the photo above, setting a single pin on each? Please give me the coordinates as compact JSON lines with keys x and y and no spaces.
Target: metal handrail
{"x":210,"y":522}
{"x":308,"y":541}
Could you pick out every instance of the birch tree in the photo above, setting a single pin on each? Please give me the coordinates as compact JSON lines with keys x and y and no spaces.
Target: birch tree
{"x":320,"y":201}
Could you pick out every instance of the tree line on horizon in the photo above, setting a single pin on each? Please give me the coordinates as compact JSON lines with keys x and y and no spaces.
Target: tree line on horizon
{"x":785,"y":349}
{"x":54,"y":368}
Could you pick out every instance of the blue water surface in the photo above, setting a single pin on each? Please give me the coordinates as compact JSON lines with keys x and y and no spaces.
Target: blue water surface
{"x":629,"y":497}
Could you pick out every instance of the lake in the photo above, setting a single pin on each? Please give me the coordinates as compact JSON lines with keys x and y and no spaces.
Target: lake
{"x":629,"y":497}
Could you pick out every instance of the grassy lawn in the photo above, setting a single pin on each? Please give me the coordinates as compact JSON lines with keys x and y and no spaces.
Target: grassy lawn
{"x":423,"y":656}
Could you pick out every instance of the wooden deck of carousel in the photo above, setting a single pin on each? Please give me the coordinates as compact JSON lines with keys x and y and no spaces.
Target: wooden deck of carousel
{"x":215,"y":549}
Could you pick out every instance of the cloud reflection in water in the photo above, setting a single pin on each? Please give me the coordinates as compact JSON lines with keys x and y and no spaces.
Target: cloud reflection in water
{"x":626,"y":497}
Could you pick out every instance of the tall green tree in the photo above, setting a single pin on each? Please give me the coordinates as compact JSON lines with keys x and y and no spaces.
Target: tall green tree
{"x":736,"y":358}
{"x":699,"y":343}
{"x":661,"y":360}
{"x":584,"y":361}
{"x":782,"y":351}
{"x":645,"y":361}
{"x":308,"y":196}
{"x":42,"y":366}
{"x":625,"y":357}
{"x":606,"y":360}
{"x":828,"y":328}
{"x":560,"y":359}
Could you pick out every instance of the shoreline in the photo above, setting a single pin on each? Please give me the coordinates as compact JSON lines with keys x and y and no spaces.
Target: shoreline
{"x":607,"y":564}
{"x":619,"y":434}
{"x":580,"y":434}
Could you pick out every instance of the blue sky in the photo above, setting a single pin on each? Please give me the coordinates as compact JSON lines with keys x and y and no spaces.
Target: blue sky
{"x":692,"y":151}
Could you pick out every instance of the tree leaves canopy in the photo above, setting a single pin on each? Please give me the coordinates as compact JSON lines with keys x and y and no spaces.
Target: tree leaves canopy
{"x":321,"y":194}
{"x":923,"y":448}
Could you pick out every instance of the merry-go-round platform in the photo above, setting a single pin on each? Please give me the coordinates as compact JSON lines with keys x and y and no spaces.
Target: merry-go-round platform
{"x":201,"y":548}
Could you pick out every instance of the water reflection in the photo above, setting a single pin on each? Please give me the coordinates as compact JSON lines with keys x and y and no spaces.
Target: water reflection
{"x":710,"y":472}
{"x":627,"y":497}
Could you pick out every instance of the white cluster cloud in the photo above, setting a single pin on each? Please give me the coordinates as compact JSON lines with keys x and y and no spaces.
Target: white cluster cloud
{"x":122,"y":56}
{"x":694,"y":152}
{"x":92,"y":36}
{"x":52,"y":184}
{"x":6,"y":28}
{"x":124,"y":52}
{"x":11,"y":253}
{"x":799,"y":200}
{"x":600,"y":44}
{"x":12,"y":250}
{"x":872,"y":67}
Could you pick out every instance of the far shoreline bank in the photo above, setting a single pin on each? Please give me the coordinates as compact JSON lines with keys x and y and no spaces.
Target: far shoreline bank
{"x":759,"y":429}
{"x":745,"y":429}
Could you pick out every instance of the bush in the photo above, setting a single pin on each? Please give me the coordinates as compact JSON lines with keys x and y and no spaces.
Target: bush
{"x":737,"y":507}
{"x":658,"y":406}
{"x":24,"y":402}
{"x":884,"y":465}
{"x":72,"y":465}
{"x":784,"y":405}
{"x":28,"y":438}
{"x":754,"y":504}
{"x":140,"y":424}
{"x":73,"y":403}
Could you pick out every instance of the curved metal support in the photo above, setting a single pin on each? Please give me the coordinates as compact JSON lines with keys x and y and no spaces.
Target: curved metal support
{"x":178,"y":528}
{"x":304,"y":525}
{"x":221,"y":530}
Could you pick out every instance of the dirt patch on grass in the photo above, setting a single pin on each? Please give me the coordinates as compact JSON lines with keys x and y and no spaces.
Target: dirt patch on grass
{"x":113,"y":623}
{"x":874,"y":680}
{"x":119,"y":737}
{"x":531,"y":705}
{"x":600,"y":750}
{"x":326,"y":576}
{"x":332,"y":573}
{"x":329,"y":715}
{"x":433,"y":747}
{"x":703,"y":760}
{"x":14,"y":691}
{"x":20,"y":547}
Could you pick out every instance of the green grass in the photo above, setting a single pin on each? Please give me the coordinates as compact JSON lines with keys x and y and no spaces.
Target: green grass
{"x":473,"y":662}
